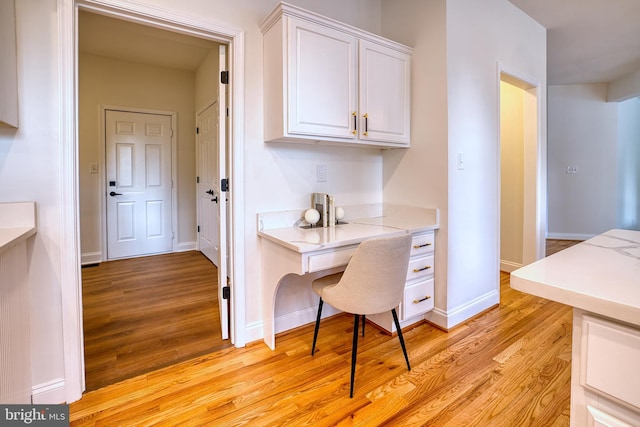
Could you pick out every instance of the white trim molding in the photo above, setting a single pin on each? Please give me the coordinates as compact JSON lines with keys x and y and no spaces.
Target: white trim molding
{"x":51,"y":392}
{"x":447,"y":319}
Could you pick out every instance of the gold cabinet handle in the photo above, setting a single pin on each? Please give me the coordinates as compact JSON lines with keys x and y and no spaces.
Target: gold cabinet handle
{"x":418,"y":301}
{"x":421,"y":246}
{"x":366,"y":124}
{"x":355,"y":123}
{"x":417,"y":270}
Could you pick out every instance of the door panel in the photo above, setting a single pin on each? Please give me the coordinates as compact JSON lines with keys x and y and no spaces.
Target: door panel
{"x":208,"y":191}
{"x":138,"y":174}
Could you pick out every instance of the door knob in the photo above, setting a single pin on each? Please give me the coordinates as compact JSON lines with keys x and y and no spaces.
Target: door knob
{"x":215,"y":199}
{"x":113,"y":193}
{"x":209,"y":192}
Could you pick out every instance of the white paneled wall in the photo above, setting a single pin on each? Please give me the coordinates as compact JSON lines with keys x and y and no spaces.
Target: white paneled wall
{"x":15,"y":359}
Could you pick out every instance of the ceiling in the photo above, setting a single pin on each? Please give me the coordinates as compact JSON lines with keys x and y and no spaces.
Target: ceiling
{"x":127,"y":41}
{"x":588,"y":41}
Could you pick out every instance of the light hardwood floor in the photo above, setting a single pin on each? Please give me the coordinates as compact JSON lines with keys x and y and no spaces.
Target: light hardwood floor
{"x":142,"y":314}
{"x":509,"y":366}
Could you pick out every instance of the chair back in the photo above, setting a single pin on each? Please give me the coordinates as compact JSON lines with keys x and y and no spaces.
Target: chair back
{"x":374,"y":279}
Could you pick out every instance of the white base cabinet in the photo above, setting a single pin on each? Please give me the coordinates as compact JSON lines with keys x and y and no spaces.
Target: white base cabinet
{"x":419,"y":287}
{"x":331,"y":83}
{"x":605,"y":379}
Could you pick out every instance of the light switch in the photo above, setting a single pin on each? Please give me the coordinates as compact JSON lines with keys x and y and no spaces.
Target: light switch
{"x":460,"y":161}
{"x":93,"y":168}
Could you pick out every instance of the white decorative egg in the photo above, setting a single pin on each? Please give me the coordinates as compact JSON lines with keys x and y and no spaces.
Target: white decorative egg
{"x":339,"y":213}
{"x":312,"y":216}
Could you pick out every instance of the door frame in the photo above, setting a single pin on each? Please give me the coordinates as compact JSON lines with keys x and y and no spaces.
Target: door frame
{"x":102,"y":161}
{"x":70,"y":275}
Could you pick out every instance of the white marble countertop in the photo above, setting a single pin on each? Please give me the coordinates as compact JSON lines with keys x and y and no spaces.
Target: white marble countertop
{"x":17,"y":223}
{"x":600,"y":275}
{"x":284,"y":228}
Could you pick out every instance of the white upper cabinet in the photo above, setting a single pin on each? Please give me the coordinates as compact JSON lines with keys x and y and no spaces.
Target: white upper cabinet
{"x":322,"y":80}
{"x":384,"y":107}
{"x":328,"y":82}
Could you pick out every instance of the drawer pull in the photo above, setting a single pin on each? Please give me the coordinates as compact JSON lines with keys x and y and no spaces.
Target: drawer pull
{"x":417,"y":270}
{"x":424,"y":245}
{"x":418,"y":301}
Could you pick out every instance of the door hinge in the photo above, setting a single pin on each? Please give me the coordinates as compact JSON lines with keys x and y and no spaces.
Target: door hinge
{"x":198,"y":229}
{"x":226,"y":292}
{"x":224,"y":184}
{"x":197,"y":130}
{"x":227,"y":112}
{"x":197,"y":180}
{"x":224,"y":77}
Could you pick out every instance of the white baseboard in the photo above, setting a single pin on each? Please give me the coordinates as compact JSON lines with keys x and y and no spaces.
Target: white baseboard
{"x":254,"y":332}
{"x":49,"y":393}
{"x":91,"y":258}
{"x":509,"y":266}
{"x":186,"y":246}
{"x":569,"y":236}
{"x":449,"y":319}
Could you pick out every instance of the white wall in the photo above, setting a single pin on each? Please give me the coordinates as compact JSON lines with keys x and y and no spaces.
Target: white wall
{"x":601,"y":138}
{"x":30,"y":171}
{"x":482,"y":36}
{"x":108,"y":82}
{"x":459,"y":45}
{"x":583,"y":133}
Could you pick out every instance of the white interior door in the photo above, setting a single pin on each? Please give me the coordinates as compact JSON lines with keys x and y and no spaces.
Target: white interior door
{"x":138,"y":190}
{"x":222,"y":199}
{"x":207,"y":186}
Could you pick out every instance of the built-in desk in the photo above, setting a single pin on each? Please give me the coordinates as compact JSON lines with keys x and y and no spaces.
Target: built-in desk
{"x":287,"y":248}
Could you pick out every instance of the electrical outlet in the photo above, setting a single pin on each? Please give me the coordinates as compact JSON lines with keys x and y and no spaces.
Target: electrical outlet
{"x":572,"y":169}
{"x":321,"y":173}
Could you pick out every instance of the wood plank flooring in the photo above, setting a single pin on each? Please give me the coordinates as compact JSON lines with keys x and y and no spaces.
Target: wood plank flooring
{"x":142,"y":314}
{"x":510,"y":366}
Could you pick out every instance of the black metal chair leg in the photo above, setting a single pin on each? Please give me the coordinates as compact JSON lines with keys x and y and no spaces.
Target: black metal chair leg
{"x":404,"y":349}
{"x":363,"y":322}
{"x":354,"y":351}
{"x":315,"y":333}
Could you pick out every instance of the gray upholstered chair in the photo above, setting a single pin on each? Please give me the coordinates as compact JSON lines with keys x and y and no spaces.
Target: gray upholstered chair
{"x":372,"y":283}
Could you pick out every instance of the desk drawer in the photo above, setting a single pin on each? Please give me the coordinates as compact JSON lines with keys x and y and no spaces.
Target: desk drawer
{"x":330,"y":259}
{"x":422,"y":243}
{"x":418,"y":299}
{"x":420,"y":267}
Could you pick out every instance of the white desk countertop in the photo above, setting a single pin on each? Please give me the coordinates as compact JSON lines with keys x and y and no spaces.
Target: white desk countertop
{"x":600,"y":275}
{"x":393,"y":220}
{"x":17,"y":223}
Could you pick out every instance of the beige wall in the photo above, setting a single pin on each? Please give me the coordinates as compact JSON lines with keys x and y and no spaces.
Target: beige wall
{"x":104,"y":81}
{"x":512,"y":174}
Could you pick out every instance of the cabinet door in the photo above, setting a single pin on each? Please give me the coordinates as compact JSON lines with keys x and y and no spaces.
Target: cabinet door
{"x":322,"y":87}
{"x":385,"y":84}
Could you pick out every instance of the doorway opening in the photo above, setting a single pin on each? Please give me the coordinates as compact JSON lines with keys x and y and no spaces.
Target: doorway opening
{"x":171,"y":22}
{"x":521,"y":230}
